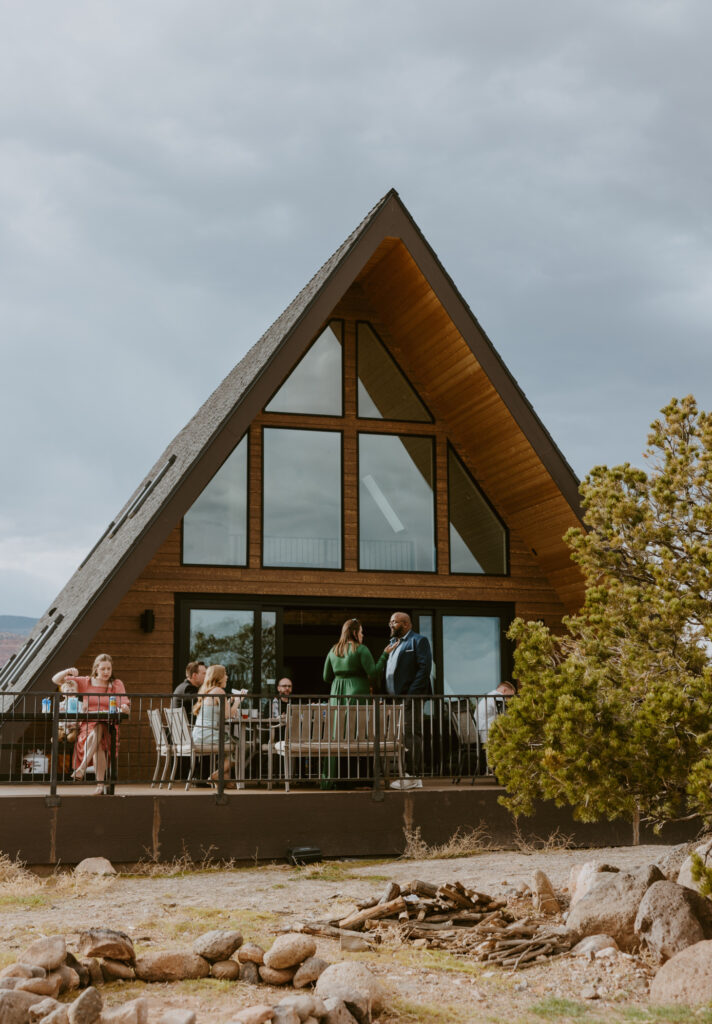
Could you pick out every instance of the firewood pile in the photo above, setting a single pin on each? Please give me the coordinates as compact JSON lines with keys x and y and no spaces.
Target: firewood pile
{"x":452,"y":917}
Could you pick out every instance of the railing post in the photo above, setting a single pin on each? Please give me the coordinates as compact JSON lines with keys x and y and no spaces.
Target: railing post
{"x":377,"y":794}
{"x":53,"y":800}
{"x":220,"y":798}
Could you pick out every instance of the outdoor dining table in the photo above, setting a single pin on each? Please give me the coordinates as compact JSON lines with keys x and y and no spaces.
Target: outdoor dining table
{"x":111,"y":719}
{"x":243,"y":730}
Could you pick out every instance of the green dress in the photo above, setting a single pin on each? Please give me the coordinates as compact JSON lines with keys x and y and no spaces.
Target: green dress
{"x":351,"y":677}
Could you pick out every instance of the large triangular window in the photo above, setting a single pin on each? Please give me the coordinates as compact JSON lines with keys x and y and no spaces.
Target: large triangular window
{"x":315,"y":385}
{"x":478,"y":540}
{"x":383,"y":391}
{"x":215,"y":526}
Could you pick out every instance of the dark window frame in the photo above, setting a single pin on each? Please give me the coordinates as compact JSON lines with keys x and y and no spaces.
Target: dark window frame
{"x":433,"y":440}
{"x":303,"y":568}
{"x":473,"y":575}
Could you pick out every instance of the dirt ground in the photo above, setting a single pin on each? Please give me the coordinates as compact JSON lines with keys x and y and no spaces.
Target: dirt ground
{"x":169,"y":908}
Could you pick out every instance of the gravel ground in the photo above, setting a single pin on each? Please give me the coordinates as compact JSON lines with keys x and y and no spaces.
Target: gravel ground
{"x":432,"y":986}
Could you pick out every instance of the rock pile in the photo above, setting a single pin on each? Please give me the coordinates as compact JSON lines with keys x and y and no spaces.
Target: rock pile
{"x":31,"y":987}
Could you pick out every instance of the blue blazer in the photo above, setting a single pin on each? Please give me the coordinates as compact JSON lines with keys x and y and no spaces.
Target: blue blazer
{"x":412,"y":674}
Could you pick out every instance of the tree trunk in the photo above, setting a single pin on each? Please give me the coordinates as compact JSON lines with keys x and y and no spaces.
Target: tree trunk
{"x":636,"y":826}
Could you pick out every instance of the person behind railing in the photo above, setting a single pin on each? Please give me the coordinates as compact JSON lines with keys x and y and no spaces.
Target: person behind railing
{"x":352,"y":673}
{"x":488,"y":707}
{"x":206,"y":730}
{"x":185,"y":692}
{"x":280,"y":702}
{"x":407,"y":661}
{"x":93,"y":743}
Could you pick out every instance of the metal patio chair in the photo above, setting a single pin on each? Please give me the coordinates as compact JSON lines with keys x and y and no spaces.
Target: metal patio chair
{"x":164,"y":747}
{"x":183,"y":745}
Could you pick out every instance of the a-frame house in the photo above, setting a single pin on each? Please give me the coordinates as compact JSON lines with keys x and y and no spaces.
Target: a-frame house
{"x":370,"y":453}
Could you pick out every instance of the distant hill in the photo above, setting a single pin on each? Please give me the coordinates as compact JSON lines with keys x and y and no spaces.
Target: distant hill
{"x":13,"y":631}
{"x":17,"y":624}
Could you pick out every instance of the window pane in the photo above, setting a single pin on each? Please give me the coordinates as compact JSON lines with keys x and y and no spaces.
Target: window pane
{"x":302,"y":498}
{"x":221,"y":637}
{"x":425,"y":628}
{"x":314,"y":386}
{"x":383,"y":391}
{"x":215,"y":527}
{"x":478,"y":541}
{"x":396,"y":507}
{"x":471,"y":658}
{"x":269,"y":652}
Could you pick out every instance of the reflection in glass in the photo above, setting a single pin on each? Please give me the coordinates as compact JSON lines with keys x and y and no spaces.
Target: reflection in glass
{"x":269,"y":652}
{"x":314,"y":385}
{"x":471,"y":656}
{"x":224,"y":637}
{"x":396,"y":506}
{"x":478,"y":541}
{"x":383,"y":391}
{"x":215,"y":527}
{"x":425,"y":628}
{"x":302,"y":498}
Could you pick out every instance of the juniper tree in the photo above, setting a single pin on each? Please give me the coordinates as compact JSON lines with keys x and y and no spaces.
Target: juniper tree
{"x":614,"y":717}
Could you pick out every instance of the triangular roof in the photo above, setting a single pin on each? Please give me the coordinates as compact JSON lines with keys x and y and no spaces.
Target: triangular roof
{"x":191,"y":459}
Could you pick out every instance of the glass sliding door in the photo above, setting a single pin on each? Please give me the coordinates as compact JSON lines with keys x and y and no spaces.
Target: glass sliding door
{"x":471,"y":653}
{"x":222,"y":637}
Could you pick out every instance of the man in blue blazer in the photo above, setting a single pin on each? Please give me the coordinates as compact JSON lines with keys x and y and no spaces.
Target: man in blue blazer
{"x":408,"y":660}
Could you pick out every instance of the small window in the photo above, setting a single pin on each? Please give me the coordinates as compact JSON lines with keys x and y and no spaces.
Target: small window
{"x":315,"y":384}
{"x":396,"y":503}
{"x":383,"y":391}
{"x":478,"y":540}
{"x":215,"y":527}
{"x":302,"y":498}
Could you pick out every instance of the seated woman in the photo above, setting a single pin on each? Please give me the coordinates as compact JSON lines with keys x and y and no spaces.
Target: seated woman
{"x":206,"y":730}
{"x":92,"y":746}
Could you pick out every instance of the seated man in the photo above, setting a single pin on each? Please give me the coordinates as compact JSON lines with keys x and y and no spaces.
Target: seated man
{"x":488,"y":707}
{"x":280,"y":703}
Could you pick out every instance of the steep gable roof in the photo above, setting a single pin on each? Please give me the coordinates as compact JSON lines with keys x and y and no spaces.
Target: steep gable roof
{"x":191,"y":459}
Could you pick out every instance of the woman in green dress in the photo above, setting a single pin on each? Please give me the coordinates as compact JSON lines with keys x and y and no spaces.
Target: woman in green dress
{"x":352,"y":673}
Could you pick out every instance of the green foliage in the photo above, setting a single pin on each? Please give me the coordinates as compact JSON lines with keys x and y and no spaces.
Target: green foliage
{"x":613,"y":718}
{"x":701,"y":874}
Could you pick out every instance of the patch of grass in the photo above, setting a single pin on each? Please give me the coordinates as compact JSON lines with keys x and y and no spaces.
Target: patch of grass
{"x":668,"y":1015}
{"x":179,"y":866}
{"x":465,"y":842}
{"x":337,"y":871}
{"x":436,"y":960}
{"x":556,"y":1009}
{"x":405,"y":1011}
{"x":31,"y":899}
{"x":556,"y":840}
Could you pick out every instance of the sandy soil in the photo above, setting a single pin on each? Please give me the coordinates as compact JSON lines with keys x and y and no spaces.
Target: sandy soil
{"x":430,"y":986}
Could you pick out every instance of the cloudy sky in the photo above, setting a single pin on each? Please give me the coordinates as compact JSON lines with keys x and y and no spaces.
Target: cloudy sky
{"x":172,"y":173}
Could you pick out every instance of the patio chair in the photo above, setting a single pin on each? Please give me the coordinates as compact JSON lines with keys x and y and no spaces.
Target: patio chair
{"x":164,"y":747}
{"x":183,"y":745}
{"x":468,"y":737}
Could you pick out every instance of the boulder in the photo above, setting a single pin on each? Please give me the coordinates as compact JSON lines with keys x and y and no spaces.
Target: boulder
{"x":346,"y":979}
{"x":58,"y":1016}
{"x":593,"y":944}
{"x":252,"y":952}
{"x":8,"y":983}
{"x":671,"y":917}
{"x":176,"y":1017}
{"x":225,"y":970}
{"x":48,"y":952}
{"x":337,"y":1013}
{"x":275,"y":976}
{"x":68,"y":978}
{"x":95,"y":866}
{"x":217,"y":945}
{"x":610,"y":907}
{"x":116,"y":970}
{"x":250,"y":973}
{"x":19,"y":970}
{"x":94,"y":971}
{"x":289,"y":950}
{"x":86,"y":1008}
{"x":685,"y":876}
{"x":15,"y":1006}
{"x":285,"y":1015}
{"x":80,"y":968}
{"x":543,"y":896}
{"x":304,"y":1005}
{"x":685,"y":978}
{"x":134,"y":1012}
{"x":309,"y":971}
{"x":49,"y":986}
{"x":259,"y":1014}
{"x":583,"y":877}
{"x":42,"y":1009}
{"x":167,"y":966}
{"x":671,"y":861}
{"x":106,"y":943}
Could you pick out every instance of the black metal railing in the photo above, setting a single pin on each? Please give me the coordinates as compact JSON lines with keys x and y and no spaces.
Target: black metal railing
{"x":231,"y":742}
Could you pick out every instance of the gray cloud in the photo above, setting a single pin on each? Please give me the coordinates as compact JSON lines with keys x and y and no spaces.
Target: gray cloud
{"x":171,"y":175}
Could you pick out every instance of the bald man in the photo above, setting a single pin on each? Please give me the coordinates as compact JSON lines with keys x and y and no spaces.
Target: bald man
{"x":407,"y":660}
